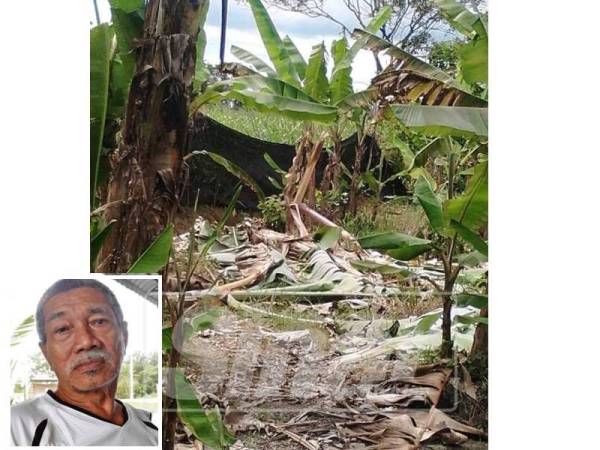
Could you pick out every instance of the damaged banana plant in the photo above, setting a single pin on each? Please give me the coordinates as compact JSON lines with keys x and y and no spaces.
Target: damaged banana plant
{"x":456,"y":219}
{"x":301,"y":90}
{"x":425,"y":98}
{"x":146,"y":167}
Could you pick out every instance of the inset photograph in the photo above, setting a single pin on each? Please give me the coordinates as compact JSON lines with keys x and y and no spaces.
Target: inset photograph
{"x":84,"y":367}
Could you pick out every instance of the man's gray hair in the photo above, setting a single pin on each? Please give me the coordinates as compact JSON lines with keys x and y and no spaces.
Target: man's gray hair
{"x":70,"y":284}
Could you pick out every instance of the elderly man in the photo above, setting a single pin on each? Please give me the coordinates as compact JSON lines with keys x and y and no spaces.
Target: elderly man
{"x":83,"y":337}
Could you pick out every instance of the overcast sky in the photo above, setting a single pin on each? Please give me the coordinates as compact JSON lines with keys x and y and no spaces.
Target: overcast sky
{"x":241,"y":31}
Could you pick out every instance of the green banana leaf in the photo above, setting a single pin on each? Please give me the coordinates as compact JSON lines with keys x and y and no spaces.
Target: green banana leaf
{"x":201,"y":71}
{"x":167,"y":339}
{"x":128,"y":6}
{"x":366,"y":265}
{"x":438,"y":146}
{"x":431,"y":204}
{"x":470,"y":320}
{"x":206,"y":425}
{"x":328,"y":237}
{"x":128,"y":25}
{"x":258,"y":83}
{"x":474,"y":61}
{"x":426,"y":322}
{"x":253,"y":60}
{"x":156,"y":256}
{"x":372,"y":27}
{"x":101,"y":53}
{"x":316,"y":84}
{"x":471,"y":237}
{"x":295,"y":57}
{"x":474,"y":54}
{"x":462,"y":19}
{"x":458,"y":121}
{"x":274,"y":45}
{"x":475,"y":300}
{"x":362,"y":99}
{"x":256,"y":92}
{"x":237,"y":171}
{"x":340,"y":85}
{"x":398,"y":245}
{"x":470,"y":209}
{"x":273,"y":165}
{"x":96,"y":243}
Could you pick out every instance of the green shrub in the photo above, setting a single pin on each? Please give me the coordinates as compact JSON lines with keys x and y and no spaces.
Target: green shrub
{"x":272,"y":209}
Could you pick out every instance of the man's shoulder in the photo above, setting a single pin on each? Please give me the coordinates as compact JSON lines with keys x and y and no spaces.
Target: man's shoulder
{"x":26,"y":418}
{"x":32,"y":408}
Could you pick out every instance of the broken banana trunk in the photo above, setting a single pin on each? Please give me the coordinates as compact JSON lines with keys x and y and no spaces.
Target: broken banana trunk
{"x":146,"y":168}
{"x":301,"y":178}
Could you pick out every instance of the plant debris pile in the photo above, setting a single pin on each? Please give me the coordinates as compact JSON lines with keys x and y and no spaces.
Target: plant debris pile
{"x":307,"y":350}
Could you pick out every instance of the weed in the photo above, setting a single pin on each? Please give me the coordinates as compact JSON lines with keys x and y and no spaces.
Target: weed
{"x":411,"y":303}
{"x":272,"y":209}
{"x":374,"y":216}
{"x":428,"y":355}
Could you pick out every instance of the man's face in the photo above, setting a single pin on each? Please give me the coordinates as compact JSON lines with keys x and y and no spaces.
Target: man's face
{"x":84,"y":343}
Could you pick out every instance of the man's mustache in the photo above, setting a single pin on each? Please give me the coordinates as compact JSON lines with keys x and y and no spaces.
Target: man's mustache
{"x":87,"y":357}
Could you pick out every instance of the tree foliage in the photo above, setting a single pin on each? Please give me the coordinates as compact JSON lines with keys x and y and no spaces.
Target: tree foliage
{"x":411,"y":26}
{"x":145,"y":376}
{"x":444,"y":56}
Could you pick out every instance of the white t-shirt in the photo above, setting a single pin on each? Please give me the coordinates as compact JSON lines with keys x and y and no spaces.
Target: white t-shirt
{"x":47,"y":420}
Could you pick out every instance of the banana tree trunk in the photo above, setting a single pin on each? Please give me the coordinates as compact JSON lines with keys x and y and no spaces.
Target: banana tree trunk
{"x":301,"y":178}
{"x":146,"y":167}
{"x":333,"y":170}
{"x":480,"y":339}
{"x":353,"y":195}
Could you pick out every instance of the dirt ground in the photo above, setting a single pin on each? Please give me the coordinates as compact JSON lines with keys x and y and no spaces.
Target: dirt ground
{"x":285,"y":374}
{"x":348,"y":370}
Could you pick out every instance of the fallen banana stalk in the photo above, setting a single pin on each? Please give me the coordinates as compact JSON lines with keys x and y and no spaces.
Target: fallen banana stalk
{"x":249,"y":280}
{"x":234,"y":304}
{"x":196,"y":295}
{"x":298,"y":222}
{"x":387,"y":346}
{"x":316,"y":217}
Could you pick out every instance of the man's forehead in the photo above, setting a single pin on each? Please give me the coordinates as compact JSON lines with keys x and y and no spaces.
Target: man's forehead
{"x":84,"y":299}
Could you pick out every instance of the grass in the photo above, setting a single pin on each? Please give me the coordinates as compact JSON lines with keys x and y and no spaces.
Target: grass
{"x":281,"y":324}
{"x":264,"y":126}
{"x":411,"y":304}
{"x":374,"y":216}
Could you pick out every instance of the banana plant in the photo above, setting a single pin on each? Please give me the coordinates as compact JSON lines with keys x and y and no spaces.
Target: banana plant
{"x":112,"y":63}
{"x":290,"y":86}
{"x":455,"y":220}
{"x":111,"y":68}
{"x":425,"y":98}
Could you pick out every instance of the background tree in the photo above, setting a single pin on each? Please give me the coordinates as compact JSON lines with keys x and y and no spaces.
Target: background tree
{"x":412,"y":25}
{"x":444,"y":56}
{"x":145,"y":376}
{"x":39,"y":366}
